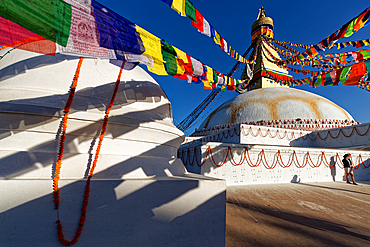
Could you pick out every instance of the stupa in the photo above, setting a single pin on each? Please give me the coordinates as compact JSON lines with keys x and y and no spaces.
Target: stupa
{"x":264,"y":100}
{"x":140,"y":194}
{"x":270,"y":133}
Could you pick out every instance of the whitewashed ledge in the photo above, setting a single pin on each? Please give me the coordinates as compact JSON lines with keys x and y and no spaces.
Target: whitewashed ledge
{"x":349,"y":137}
{"x":242,"y":164}
{"x":251,"y":134}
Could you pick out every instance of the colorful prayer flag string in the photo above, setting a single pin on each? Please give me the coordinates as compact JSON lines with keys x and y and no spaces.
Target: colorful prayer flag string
{"x":346,"y":30}
{"x":186,"y":8}
{"x":119,"y":38}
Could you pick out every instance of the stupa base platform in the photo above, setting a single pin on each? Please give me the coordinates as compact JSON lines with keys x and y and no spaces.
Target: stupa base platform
{"x":243,"y":164}
{"x":186,"y":210}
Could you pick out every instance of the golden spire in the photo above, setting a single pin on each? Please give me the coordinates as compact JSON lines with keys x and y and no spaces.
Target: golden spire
{"x":262,"y":65}
{"x":261,"y":13}
{"x":262,"y":19}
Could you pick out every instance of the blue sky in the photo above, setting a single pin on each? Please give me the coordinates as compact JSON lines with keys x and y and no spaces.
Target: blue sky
{"x":305,"y":22}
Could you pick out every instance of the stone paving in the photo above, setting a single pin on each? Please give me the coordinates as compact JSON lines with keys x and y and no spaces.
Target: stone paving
{"x":298,"y":214}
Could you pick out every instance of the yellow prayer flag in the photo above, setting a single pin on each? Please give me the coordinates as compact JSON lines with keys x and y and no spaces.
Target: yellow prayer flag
{"x":180,"y":56}
{"x":209,"y":74}
{"x":153,"y":50}
{"x":179,"y":6}
{"x":217,"y":38}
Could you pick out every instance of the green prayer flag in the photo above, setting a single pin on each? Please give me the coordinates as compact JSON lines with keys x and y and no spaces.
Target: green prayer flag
{"x":190,"y":10}
{"x":328,"y":80}
{"x":365,"y":54}
{"x":215,"y":76}
{"x":300,"y":57}
{"x":50,"y":19}
{"x":318,"y":81}
{"x":343,"y":74}
{"x":349,"y":30}
{"x":169,"y":56}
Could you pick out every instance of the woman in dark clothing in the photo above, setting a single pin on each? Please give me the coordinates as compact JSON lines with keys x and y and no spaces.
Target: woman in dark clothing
{"x":348,"y":168}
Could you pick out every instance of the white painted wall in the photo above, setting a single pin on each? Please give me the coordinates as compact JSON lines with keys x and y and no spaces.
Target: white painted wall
{"x":221,"y":164}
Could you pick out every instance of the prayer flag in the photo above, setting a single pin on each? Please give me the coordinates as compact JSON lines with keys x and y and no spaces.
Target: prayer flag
{"x":209,"y":74}
{"x":84,"y":5}
{"x":199,"y":23}
{"x":181,"y":56}
{"x":357,"y":72}
{"x":213,"y":33}
{"x":231,"y":84}
{"x":349,"y":28}
{"x":206,"y":28}
{"x":300,"y":57}
{"x":116,"y":32}
{"x":190,"y":10}
{"x":329,"y":78}
{"x":361,"y":21}
{"x":337,"y":77}
{"x":179,"y":6}
{"x":197,"y":67}
{"x":217,"y":38}
{"x":344,"y":74}
{"x":365,"y":54}
{"x":13,"y":35}
{"x":83,"y":40}
{"x":50,"y":19}
{"x":123,"y":64}
{"x":345,"y":31}
{"x":153,"y":51}
{"x":312,"y":52}
{"x":221,"y":42}
{"x":206,"y":83}
{"x":169,"y":57}
{"x":343,"y":57}
{"x":225,"y":47}
{"x":188,"y":65}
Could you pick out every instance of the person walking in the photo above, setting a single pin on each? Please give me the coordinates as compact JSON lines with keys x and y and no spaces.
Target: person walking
{"x":348,"y":168}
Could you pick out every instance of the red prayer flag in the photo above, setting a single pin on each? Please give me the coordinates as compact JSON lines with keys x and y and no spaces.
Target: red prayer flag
{"x":357,"y":72}
{"x":13,"y":35}
{"x":199,"y":24}
{"x":360,"y":21}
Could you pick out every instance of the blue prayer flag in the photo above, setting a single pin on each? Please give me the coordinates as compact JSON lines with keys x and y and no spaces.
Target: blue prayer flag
{"x":213,"y":34}
{"x":116,"y":32}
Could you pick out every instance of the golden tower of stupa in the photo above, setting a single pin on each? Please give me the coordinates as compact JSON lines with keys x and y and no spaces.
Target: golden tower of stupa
{"x":262,"y":26}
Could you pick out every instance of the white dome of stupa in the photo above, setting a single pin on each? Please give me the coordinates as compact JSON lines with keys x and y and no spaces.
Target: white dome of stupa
{"x":34,"y":89}
{"x":275,"y":103}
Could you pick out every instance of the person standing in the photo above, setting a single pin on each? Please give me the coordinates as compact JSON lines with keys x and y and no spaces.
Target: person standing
{"x":348,"y":168}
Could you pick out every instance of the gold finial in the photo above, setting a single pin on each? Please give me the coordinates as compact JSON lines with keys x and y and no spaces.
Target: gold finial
{"x":262,"y":19}
{"x":261,"y":13}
